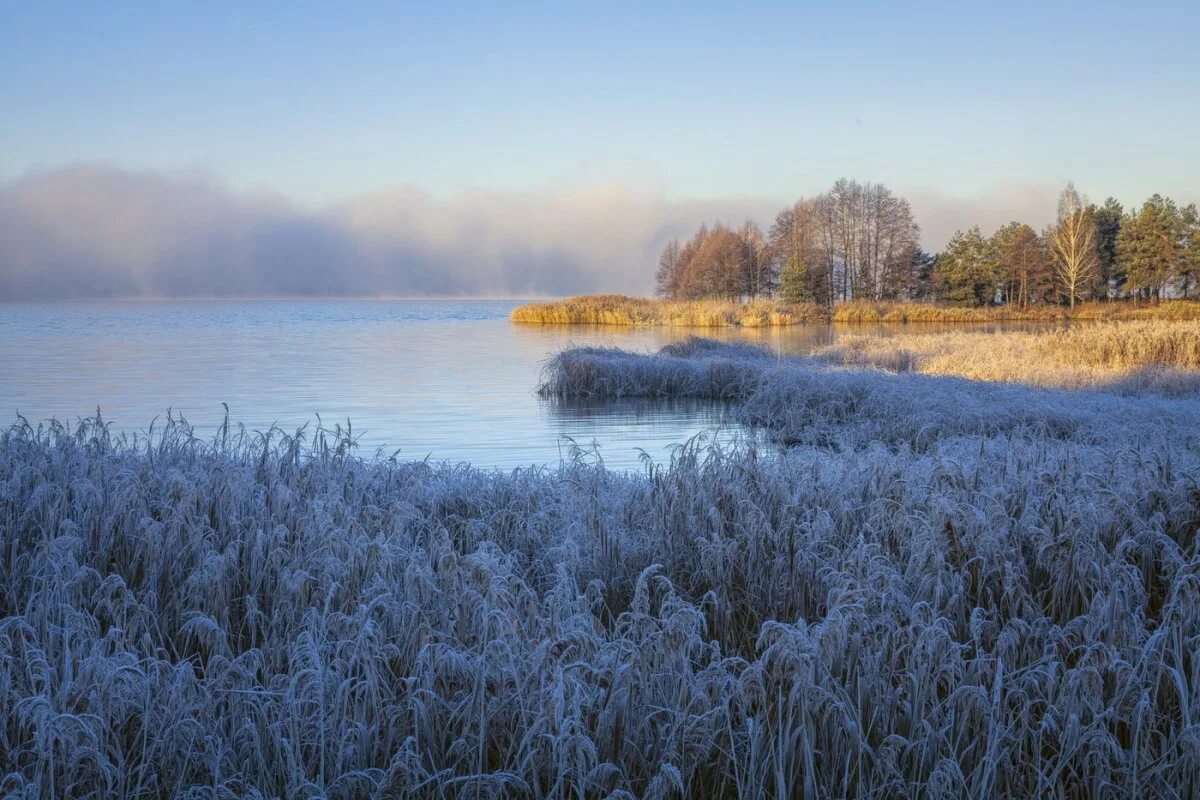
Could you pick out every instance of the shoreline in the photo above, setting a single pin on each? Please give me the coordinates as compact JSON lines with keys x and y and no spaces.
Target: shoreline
{"x":626,"y":311}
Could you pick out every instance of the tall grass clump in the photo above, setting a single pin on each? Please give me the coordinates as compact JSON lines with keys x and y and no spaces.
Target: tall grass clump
{"x":873,"y":313}
{"x":1177,"y":310}
{"x":915,"y":602}
{"x":639,"y":311}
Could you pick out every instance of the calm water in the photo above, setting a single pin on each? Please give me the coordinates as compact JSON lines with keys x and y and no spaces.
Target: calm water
{"x":449,"y":379}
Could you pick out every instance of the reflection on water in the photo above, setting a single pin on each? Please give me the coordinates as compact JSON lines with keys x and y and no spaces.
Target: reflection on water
{"x":606,"y":421}
{"x":452,"y":379}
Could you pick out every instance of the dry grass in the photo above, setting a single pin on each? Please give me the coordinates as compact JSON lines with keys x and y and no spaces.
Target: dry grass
{"x":621,"y":310}
{"x":1177,"y":310}
{"x":875,"y":313}
{"x":1129,"y":356}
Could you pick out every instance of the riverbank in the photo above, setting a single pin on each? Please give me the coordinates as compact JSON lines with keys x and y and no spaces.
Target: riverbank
{"x":636,"y":311}
{"x":640,"y":311}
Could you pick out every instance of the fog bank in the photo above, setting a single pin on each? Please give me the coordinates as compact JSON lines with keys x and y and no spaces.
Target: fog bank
{"x":99,"y":231}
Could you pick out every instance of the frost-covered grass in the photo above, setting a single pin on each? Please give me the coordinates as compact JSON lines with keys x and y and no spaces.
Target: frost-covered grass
{"x":1133,"y":357}
{"x":948,"y":589}
{"x":811,"y":401}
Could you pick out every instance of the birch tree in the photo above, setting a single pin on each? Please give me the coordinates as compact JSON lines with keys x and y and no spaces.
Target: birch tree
{"x":1073,"y":243}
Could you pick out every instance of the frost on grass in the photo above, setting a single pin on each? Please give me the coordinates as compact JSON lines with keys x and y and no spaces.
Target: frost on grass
{"x":919,"y":601}
{"x":814,"y":402}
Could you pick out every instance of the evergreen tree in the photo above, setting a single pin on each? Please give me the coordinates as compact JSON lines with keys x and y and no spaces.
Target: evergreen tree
{"x":1022,"y":264}
{"x":1108,"y":225}
{"x":795,"y":282}
{"x":922,"y":271}
{"x":1149,"y":246}
{"x":1190,"y":250}
{"x":965,"y":270}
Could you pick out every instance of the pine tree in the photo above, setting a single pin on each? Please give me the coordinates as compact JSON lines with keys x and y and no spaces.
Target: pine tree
{"x":1022,"y":264}
{"x":964,"y":270}
{"x":1108,"y":225}
{"x":1190,"y":250}
{"x":1148,"y":246}
{"x":922,"y":271}
{"x":795,"y":282}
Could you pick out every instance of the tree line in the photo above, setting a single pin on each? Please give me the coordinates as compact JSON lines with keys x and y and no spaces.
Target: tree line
{"x":859,"y":241}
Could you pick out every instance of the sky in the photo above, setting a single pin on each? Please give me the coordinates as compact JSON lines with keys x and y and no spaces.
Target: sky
{"x":427,"y":118}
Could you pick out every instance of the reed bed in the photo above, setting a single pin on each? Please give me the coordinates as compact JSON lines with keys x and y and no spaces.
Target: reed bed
{"x":867,"y":313}
{"x":1133,"y":357}
{"x":893,"y":312}
{"x":639,"y":311}
{"x":916,"y":602}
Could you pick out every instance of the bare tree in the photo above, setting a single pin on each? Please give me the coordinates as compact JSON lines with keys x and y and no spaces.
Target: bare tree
{"x":667,"y":277}
{"x":758,"y":274}
{"x":1073,"y":242}
{"x":795,"y":242}
{"x":855,"y":241}
{"x":869,"y":237}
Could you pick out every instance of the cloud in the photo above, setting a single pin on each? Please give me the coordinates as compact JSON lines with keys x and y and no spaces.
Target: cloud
{"x":92,"y":231}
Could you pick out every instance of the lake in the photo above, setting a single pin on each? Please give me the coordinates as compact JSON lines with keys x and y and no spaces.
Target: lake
{"x":449,"y":379}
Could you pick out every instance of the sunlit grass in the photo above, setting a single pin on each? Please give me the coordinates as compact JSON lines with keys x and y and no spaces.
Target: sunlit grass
{"x":635,"y":311}
{"x":621,"y":310}
{"x":1159,"y":355}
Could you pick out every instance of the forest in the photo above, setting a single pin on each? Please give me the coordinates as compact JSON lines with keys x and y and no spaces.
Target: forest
{"x":861,"y":242}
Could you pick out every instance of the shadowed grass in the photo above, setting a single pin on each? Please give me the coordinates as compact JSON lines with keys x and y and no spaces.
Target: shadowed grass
{"x":272,"y":616}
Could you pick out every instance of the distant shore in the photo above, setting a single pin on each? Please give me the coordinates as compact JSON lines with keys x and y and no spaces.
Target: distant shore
{"x":641,"y":311}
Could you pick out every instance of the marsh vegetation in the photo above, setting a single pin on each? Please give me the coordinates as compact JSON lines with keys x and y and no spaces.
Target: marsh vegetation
{"x":614,"y":309}
{"x":936,"y":587}
{"x":641,"y":311}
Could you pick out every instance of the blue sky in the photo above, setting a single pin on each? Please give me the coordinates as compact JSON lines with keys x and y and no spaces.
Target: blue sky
{"x":325,"y":102}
